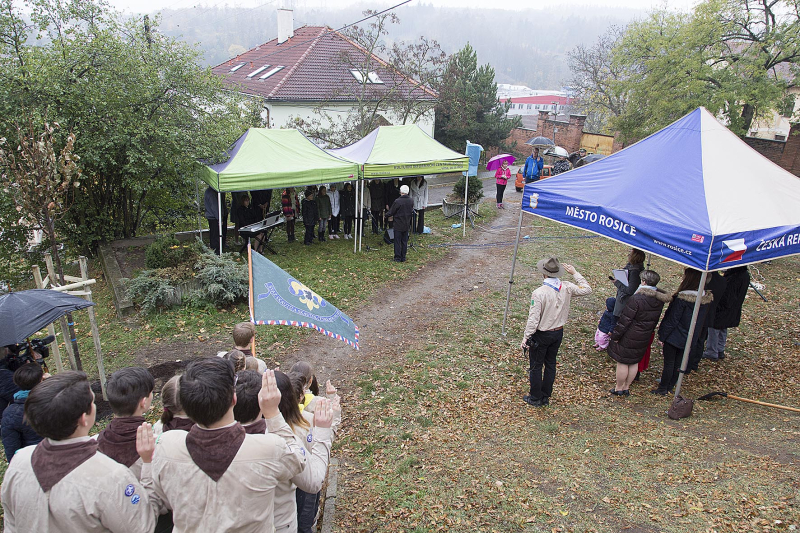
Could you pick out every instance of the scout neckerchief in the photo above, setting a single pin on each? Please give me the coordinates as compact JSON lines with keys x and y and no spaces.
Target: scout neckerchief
{"x":553,"y":283}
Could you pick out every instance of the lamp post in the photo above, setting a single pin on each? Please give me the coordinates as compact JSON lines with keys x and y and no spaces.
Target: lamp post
{"x":554,"y":113}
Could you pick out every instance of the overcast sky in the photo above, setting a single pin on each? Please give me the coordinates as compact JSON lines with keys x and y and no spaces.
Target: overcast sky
{"x":143,"y":6}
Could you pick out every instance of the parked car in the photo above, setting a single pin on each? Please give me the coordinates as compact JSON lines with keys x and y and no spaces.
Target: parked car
{"x":519,"y":183}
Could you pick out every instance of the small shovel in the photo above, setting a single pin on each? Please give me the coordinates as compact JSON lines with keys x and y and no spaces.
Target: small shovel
{"x":732,"y":397}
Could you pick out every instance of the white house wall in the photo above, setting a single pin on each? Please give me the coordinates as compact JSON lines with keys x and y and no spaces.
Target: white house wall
{"x":280,"y":114}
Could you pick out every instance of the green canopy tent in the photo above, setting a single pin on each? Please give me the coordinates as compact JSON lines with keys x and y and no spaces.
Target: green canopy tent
{"x":399,"y":151}
{"x":265,"y":158}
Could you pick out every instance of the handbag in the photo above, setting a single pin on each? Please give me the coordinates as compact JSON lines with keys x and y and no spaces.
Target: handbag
{"x":681,"y":408}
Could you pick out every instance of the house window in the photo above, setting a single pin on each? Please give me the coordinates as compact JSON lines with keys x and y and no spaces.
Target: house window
{"x":371,"y":77}
{"x":258,"y":71}
{"x":530,"y":106}
{"x":271,"y":72}
{"x":237,"y":67}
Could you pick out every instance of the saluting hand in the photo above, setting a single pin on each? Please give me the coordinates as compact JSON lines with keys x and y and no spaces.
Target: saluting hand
{"x":145,"y":442}
{"x":570,"y":269}
{"x":269,"y":396}
{"x":323,"y":413}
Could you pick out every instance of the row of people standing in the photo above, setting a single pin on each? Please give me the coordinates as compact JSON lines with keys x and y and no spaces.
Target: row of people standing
{"x":637,"y":310}
{"x":382,"y":195}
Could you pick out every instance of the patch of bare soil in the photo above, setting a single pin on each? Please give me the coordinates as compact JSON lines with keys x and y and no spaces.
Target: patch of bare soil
{"x":388,"y":325}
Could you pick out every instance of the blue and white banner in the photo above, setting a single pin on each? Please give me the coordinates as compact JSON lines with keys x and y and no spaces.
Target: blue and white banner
{"x":278,"y":299}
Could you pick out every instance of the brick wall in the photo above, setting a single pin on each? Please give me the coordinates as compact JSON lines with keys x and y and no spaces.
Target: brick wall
{"x":785,"y":154}
{"x":568,"y":135}
{"x":772,"y":150}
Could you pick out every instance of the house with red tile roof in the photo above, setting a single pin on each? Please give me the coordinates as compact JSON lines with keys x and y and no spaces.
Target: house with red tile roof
{"x":316,"y":68}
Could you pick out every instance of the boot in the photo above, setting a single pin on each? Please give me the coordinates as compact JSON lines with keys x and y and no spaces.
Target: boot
{"x":321,"y":236}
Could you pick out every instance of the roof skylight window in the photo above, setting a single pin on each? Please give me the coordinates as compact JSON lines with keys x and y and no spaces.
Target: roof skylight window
{"x":237,"y":67}
{"x":371,"y":77}
{"x":257,"y":71}
{"x":271,"y":72}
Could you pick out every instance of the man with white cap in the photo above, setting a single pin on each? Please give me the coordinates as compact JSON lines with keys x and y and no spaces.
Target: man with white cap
{"x":545,"y":328}
{"x":401,"y":212}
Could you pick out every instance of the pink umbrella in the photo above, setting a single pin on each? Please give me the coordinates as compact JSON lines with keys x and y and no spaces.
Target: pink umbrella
{"x":495,"y":162}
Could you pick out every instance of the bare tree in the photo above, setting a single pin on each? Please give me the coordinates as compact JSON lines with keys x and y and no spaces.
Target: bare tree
{"x":595,"y":77}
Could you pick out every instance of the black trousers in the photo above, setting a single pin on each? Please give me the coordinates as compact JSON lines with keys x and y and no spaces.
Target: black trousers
{"x":501,"y":189}
{"x":672,"y":366}
{"x":543,"y":363}
{"x":213,"y":234}
{"x":400,"y":245}
{"x":333,"y":224}
{"x":377,"y":221}
{"x":420,"y":221}
{"x":308,"y":238}
{"x":348,"y":224}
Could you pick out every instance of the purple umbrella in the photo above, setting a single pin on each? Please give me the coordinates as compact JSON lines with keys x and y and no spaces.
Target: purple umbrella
{"x":495,"y":162}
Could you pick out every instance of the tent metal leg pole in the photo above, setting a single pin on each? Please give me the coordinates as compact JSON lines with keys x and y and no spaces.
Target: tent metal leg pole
{"x":361,"y":232}
{"x":513,"y":264}
{"x":466,"y":190}
{"x":199,"y":207}
{"x":355,"y":241}
{"x":219,"y":219}
{"x":688,"y":348}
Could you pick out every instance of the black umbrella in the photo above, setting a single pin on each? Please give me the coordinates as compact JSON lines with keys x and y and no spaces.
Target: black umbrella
{"x":24,"y":313}
{"x":540,"y":142}
{"x":591,"y":158}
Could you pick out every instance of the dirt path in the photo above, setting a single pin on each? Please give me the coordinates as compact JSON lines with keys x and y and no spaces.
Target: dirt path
{"x":388,"y":323}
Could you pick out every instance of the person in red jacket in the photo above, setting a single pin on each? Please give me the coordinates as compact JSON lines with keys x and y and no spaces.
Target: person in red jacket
{"x":502,"y":175}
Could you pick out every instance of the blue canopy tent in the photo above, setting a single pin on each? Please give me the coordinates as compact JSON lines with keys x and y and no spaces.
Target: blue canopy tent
{"x":693,"y":193}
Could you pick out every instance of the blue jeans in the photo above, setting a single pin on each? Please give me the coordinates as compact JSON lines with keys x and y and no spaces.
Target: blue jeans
{"x":307,"y":507}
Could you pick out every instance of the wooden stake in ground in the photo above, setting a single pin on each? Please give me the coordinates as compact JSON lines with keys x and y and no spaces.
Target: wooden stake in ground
{"x":51,"y":330}
{"x":67,"y":324}
{"x":95,"y":332}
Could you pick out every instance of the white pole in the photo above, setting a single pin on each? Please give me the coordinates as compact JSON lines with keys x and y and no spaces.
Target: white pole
{"x":692,"y":326}
{"x":355,"y":241}
{"x":466,"y":189}
{"x":513,"y":264}
{"x":219,"y":219}
{"x":361,"y":232}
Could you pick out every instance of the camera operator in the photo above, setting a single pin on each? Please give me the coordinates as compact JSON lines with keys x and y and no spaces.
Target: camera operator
{"x":7,"y":386}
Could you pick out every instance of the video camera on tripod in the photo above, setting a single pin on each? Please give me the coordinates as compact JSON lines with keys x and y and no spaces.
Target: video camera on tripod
{"x":32,"y":351}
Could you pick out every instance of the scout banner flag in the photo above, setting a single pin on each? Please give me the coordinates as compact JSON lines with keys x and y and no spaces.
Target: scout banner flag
{"x":278,"y":299}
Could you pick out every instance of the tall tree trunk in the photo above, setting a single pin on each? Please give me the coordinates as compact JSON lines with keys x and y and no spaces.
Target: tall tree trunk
{"x":51,"y":234}
{"x":748,"y":112}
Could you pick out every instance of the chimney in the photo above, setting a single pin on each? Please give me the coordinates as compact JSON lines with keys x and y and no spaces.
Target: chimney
{"x":285,"y":22}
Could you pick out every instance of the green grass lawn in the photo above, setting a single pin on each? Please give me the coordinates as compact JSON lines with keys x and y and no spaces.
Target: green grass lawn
{"x":441,"y":440}
{"x":344,"y":278}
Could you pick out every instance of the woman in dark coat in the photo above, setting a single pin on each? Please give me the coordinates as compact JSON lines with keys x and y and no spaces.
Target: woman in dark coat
{"x":633,"y":333}
{"x":634,"y":267}
{"x":674,"y":328}
{"x":729,"y":311}
{"x":347,"y":200}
